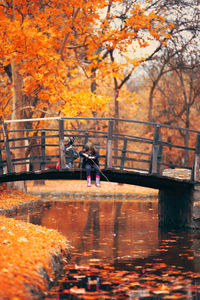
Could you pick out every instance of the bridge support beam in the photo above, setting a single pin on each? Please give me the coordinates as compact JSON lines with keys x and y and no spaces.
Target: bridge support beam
{"x":179,"y":208}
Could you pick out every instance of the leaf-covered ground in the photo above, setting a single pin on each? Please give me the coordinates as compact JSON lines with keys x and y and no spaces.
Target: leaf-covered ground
{"x":27,"y":252}
{"x":12,"y":197}
{"x":81,"y":186}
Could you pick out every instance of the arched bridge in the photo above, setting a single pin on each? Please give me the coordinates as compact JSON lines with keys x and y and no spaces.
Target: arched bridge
{"x":133,"y":152}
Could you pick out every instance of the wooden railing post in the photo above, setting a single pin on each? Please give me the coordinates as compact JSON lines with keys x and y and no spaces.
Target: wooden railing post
{"x":43,"y":141}
{"x":109,"y":145}
{"x":7,"y":148}
{"x":196,"y":164}
{"x":160,"y":157}
{"x":154,"y":168}
{"x":86,"y":137}
{"x":62,"y":161}
{"x":123,"y":154}
{"x":1,"y":163}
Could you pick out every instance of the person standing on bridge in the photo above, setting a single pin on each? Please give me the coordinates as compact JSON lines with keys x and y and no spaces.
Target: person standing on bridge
{"x":90,"y":161}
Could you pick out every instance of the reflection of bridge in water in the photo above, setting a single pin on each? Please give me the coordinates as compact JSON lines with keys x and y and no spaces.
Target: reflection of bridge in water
{"x":133,"y":152}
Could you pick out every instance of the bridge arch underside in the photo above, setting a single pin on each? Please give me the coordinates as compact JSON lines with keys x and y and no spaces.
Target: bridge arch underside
{"x":126,"y":177}
{"x":178,"y":201}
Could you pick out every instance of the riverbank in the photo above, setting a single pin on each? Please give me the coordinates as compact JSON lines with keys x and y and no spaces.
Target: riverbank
{"x":32,"y":255}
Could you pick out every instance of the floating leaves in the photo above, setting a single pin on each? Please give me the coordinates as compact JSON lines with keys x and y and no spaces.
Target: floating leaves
{"x":105,"y":282}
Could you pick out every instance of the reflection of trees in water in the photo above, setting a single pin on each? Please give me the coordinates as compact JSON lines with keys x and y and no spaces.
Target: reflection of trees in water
{"x":93,"y":220}
{"x":92,"y":227}
{"x":106,"y":229}
{"x":35,"y":217}
{"x":118,"y":206}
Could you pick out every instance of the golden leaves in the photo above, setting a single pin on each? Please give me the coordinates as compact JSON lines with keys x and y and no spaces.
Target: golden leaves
{"x":25,"y":249}
{"x":12,"y":197}
{"x":84,"y":103}
{"x":56,"y":45}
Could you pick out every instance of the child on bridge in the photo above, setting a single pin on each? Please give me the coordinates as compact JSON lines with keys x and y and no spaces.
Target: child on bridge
{"x":90,"y":161}
{"x":70,"y":153}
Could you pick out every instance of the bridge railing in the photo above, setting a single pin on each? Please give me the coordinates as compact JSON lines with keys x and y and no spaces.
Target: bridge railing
{"x":123,"y":145}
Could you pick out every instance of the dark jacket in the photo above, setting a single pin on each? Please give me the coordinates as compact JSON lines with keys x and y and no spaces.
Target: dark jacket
{"x":70,"y":156}
{"x":87,"y":160}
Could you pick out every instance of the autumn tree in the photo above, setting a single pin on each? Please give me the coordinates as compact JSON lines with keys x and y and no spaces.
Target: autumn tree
{"x":177,"y":96}
{"x":56,"y":53}
{"x":177,"y":55}
{"x":123,"y":27}
{"x":53,"y":43}
{"x":183,"y":41}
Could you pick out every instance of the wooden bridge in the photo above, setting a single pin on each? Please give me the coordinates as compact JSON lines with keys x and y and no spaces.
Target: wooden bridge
{"x":134,"y":152}
{"x":33,"y":151}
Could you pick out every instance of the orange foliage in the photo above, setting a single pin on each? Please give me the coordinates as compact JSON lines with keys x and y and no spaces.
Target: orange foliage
{"x":58,"y":45}
{"x":78,"y":186}
{"x":26,"y":249}
{"x":12,"y":197}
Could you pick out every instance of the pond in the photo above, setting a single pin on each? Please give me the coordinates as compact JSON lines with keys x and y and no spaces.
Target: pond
{"x":118,"y":252}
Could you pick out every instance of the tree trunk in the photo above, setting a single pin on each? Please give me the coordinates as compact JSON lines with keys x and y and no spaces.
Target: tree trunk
{"x":187,"y":135}
{"x":115,"y":127}
{"x":150,"y":117}
{"x":151,"y":95}
{"x":18,"y":113}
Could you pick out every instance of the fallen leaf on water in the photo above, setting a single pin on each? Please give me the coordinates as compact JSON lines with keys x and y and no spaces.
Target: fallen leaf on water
{"x":82,"y":267}
{"x":95,"y":259}
{"x":76,"y":290}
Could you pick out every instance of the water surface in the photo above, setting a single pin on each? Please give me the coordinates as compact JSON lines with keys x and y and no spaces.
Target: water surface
{"x":118,"y":252}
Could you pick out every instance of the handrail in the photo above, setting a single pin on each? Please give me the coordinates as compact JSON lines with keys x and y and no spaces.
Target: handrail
{"x":103,"y":119}
{"x":32,"y":120}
